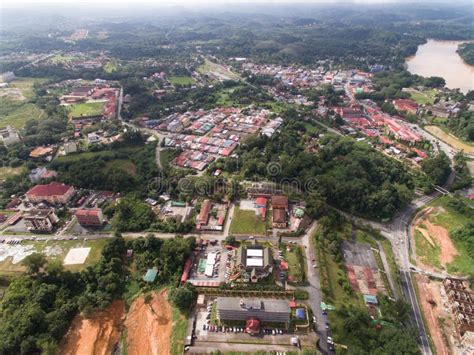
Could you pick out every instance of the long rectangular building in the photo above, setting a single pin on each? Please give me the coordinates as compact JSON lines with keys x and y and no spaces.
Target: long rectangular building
{"x":241,"y":309}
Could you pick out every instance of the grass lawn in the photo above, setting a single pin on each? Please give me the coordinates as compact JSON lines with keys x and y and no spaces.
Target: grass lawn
{"x":296,"y":264}
{"x":15,"y":113}
{"x":61,"y":59}
{"x":123,"y":164}
{"x":450,"y":139}
{"x":86,"y":109}
{"x":181,"y":80}
{"x":428,"y":253}
{"x":8,"y":268}
{"x":6,"y":172}
{"x":423,"y":97}
{"x":246,"y":222}
{"x":180,"y":323}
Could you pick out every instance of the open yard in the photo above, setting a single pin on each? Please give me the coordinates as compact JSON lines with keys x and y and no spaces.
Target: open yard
{"x":217,"y":71}
{"x":422,"y":97}
{"x":247,"y":222}
{"x":11,"y":255}
{"x":450,"y":139}
{"x":296,"y":264}
{"x":6,"y":172}
{"x":181,"y":80}
{"x":86,"y":109}
{"x":15,"y":105}
{"x":61,"y":59}
{"x":434,"y":245}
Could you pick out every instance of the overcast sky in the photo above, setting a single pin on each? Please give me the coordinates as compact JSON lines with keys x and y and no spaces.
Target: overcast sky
{"x":14,"y":3}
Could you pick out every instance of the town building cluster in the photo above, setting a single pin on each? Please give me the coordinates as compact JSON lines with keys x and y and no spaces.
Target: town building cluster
{"x":206,"y":135}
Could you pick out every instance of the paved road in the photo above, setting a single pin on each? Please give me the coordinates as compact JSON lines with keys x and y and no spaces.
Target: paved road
{"x":314,"y":287}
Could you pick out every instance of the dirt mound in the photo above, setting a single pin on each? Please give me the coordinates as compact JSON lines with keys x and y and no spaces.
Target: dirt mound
{"x":149,"y":326}
{"x":435,"y":235}
{"x":448,"y":250}
{"x":97,"y":335}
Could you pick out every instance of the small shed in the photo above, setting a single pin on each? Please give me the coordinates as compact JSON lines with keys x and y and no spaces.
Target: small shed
{"x":370,"y":299}
{"x":150,"y":275}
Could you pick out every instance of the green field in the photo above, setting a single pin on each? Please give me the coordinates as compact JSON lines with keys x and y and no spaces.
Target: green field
{"x":6,"y":172}
{"x":428,"y":253}
{"x":246,"y":222}
{"x":15,"y":105}
{"x":296,"y":264}
{"x":86,"y":109}
{"x":8,"y":268}
{"x":181,"y":80}
{"x":61,"y":59}
{"x":180,"y":323}
{"x":423,"y":97}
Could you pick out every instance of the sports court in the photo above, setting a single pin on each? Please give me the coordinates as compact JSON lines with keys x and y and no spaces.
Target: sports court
{"x":76,"y":256}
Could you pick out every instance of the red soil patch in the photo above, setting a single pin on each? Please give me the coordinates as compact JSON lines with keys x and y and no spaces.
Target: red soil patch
{"x":431,"y":303}
{"x":149,"y":326}
{"x":448,"y":250}
{"x":96,"y":335}
{"x":435,"y":235}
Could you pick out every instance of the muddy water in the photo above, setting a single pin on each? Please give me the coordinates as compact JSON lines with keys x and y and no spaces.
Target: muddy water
{"x":439,"y":58}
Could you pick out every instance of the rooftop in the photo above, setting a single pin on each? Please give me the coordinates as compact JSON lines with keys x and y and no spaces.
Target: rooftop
{"x":263,"y":305}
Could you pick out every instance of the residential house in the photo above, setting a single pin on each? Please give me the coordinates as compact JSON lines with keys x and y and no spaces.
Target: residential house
{"x":40,"y":220}
{"x":9,"y":135}
{"x":90,"y":217}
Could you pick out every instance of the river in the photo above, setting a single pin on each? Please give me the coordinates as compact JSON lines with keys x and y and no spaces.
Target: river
{"x":439,"y":58}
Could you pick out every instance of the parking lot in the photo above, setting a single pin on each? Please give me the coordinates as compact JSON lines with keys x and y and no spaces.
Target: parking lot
{"x":198,"y":271}
{"x":207,"y":333}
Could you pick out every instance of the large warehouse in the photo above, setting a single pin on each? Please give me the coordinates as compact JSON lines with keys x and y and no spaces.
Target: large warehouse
{"x":241,"y":309}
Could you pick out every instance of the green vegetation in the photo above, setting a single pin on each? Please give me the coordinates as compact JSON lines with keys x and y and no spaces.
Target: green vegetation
{"x":457,"y":218}
{"x":296,"y":263}
{"x":181,"y":80}
{"x":180,"y":323}
{"x":437,"y":168}
{"x":425,"y":97}
{"x":122,"y":166}
{"x":247,"y":222}
{"x":350,"y":175}
{"x":17,"y":104}
{"x":466,"y":51}
{"x":350,"y":322}
{"x":62,"y":246}
{"x":111,"y":66}
{"x":61,"y":59}
{"x":86,"y":109}
{"x":428,"y":253}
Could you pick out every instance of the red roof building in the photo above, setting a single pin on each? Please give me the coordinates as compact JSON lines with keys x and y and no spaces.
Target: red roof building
{"x":252,"y":326}
{"x":87,"y":217}
{"x":53,"y":193}
{"x":407,"y":105}
{"x":203,"y":216}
